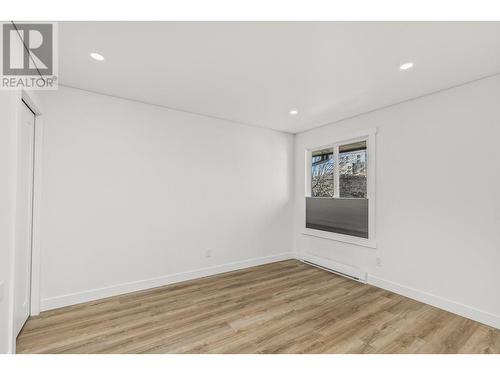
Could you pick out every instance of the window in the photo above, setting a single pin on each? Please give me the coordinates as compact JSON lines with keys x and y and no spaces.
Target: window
{"x":352,"y":170}
{"x":322,"y":168}
{"x":339,"y":175}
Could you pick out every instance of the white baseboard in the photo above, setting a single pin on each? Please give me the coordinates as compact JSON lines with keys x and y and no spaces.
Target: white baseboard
{"x":436,"y":301}
{"x":428,"y":298}
{"x":95,"y":294}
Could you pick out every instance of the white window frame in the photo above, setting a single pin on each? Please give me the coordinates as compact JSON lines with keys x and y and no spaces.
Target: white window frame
{"x":365,"y":135}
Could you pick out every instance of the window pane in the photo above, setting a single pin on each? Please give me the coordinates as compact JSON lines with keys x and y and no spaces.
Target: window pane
{"x":352,"y":174}
{"x":322,"y":167}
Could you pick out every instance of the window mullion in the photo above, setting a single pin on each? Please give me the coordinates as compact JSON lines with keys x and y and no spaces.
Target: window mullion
{"x":336,"y":172}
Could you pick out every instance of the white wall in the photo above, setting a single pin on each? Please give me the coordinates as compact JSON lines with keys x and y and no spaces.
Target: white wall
{"x":437,"y":197}
{"x":133,"y":194}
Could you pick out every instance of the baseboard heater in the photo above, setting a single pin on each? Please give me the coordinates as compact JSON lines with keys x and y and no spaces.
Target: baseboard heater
{"x":345,"y":270}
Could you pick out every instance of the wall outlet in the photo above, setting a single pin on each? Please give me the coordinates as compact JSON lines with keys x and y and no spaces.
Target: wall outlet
{"x":378,"y":262}
{"x":208,"y":254}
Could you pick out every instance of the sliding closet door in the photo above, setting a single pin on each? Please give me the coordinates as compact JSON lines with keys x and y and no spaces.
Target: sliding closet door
{"x":24,"y":218}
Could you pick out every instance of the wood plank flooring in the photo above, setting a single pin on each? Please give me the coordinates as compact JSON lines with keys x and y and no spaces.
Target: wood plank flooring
{"x":283,"y":307}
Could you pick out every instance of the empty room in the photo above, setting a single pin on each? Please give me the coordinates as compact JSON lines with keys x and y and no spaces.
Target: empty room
{"x":250,"y":187}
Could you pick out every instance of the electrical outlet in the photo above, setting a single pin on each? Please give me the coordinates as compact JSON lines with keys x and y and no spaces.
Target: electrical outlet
{"x":378,"y":261}
{"x":208,"y":254}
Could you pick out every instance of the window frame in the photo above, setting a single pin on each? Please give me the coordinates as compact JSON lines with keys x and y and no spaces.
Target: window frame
{"x":365,"y":135}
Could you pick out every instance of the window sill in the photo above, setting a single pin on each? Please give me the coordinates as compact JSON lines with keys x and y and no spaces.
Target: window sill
{"x":340,"y":237}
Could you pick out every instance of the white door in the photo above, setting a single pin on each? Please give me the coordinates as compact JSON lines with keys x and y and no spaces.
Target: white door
{"x":24,"y":218}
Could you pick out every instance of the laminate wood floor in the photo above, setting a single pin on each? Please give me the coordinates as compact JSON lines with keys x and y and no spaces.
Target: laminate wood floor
{"x":283,"y":307}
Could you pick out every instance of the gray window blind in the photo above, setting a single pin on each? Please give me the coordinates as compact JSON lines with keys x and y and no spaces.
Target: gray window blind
{"x":338,"y":215}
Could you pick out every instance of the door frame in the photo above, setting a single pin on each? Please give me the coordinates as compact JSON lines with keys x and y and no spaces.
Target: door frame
{"x":32,"y":101}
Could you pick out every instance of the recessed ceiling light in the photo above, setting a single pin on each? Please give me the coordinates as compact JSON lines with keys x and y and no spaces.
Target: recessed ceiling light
{"x":294,"y":112}
{"x":97,"y":56}
{"x":406,"y":66}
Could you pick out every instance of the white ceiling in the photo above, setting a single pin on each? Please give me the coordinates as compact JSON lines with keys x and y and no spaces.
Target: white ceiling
{"x":256,"y":72}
